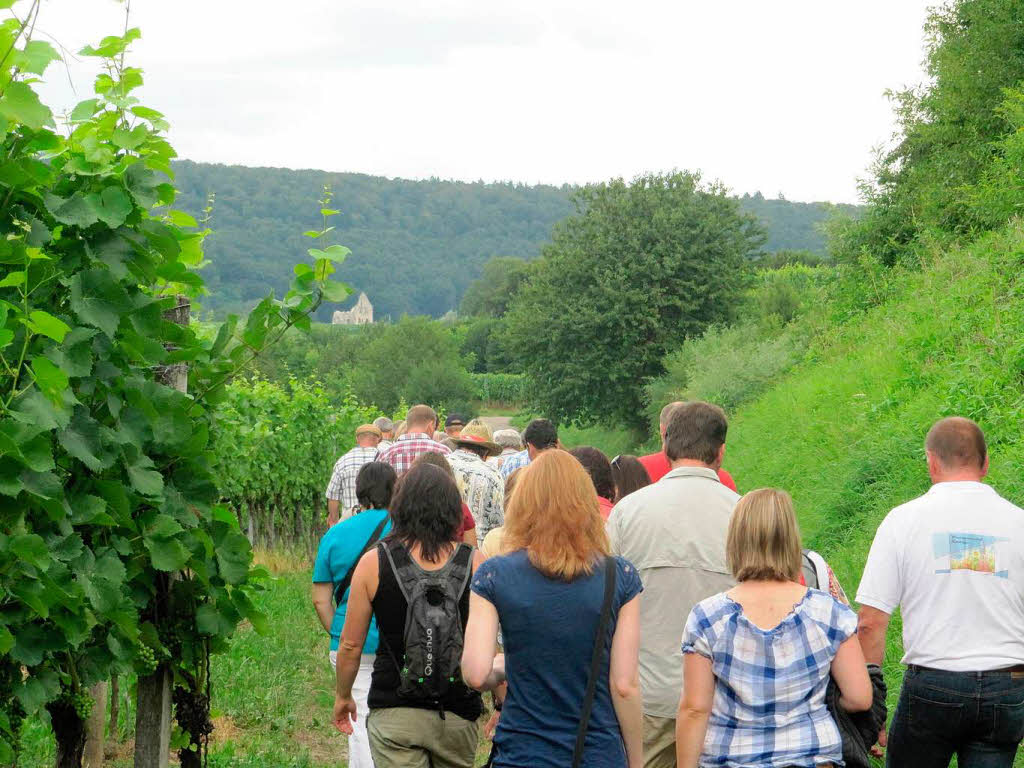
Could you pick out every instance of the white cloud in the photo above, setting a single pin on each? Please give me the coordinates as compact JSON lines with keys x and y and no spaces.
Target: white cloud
{"x":772,"y":96}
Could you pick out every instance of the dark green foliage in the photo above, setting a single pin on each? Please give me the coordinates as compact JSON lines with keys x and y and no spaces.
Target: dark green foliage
{"x":948,"y":131}
{"x":641,"y":267}
{"x":416,"y":245}
{"x":790,"y":226}
{"x":417,"y":360}
{"x":493,"y":291}
{"x":485,"y":340}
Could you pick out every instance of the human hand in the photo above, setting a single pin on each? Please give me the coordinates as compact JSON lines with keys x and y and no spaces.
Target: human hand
{"x":491,"y":725}
{"x":344,"y":714}
{"x":878,"y":750}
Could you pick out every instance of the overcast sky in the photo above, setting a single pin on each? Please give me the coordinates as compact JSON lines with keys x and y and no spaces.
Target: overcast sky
{"x":771,"y":95}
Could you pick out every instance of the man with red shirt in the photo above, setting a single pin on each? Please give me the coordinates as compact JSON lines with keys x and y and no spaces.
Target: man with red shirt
{"x":657,"y":464}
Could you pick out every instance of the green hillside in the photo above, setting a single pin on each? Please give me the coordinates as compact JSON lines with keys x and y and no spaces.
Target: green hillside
{"x":844,"y":430}
{"x":416,"y":245}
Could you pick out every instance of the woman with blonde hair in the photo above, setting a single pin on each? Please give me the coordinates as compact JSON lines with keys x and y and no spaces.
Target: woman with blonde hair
{"x":757,"y":659}
{"x":570,"y":621}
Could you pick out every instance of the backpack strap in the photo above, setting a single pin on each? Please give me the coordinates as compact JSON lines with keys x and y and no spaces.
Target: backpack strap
{"x":820,"y":568}
{"x":462,"y":568}
{"x":399,"y":559}
{"x":345,"y":583}
{"x":807,"y":567}
{"x":610,"y":568}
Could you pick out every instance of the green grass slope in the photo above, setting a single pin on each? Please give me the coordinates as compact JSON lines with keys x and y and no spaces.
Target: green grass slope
{"x":844,"y":430}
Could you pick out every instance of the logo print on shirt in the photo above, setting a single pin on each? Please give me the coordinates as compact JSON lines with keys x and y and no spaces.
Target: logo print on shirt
{"x":974,"y":552}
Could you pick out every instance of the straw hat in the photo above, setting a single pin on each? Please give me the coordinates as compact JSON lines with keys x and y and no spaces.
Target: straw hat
{"x":478,"y":435}
{"x":368,"y":429}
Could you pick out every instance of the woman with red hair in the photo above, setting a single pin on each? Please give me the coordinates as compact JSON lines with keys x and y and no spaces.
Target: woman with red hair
{"x":570,"y":622}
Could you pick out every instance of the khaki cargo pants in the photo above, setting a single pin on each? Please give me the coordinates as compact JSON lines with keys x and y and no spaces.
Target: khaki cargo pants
{"x":405,"y":737}
{"x":659,"y":742}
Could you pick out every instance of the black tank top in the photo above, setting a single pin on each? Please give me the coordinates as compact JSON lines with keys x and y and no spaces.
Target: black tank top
{"x":389,"y":608}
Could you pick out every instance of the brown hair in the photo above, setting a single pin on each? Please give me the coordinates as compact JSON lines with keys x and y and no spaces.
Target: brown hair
{"x":435,"y":458}
{"x":696,"y":431}
{"x":629,"y":475}
{"x":763,"y":542}
{"x":510,"y":485}
{"x":420,"y":416}
{"x":957,"y":442}
{"x":555,"y":517}
{"x":597,"y":466}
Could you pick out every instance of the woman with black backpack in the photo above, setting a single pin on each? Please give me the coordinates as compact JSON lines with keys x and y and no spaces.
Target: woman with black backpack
{"x":570,"y":622}
{"x":415,"y":584}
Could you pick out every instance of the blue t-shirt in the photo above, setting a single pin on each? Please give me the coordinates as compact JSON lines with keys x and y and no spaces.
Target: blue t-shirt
{"x":548,"y":627}
{"x":339,"y":550}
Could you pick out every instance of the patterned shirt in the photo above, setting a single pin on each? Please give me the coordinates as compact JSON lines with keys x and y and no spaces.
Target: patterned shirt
{"x":342,"y":487}
{"x":409,"y":447}
{"x":769,"y":702}
{"x":483,"y":490}
{"x":497,"y":461}
{"x":513,"y":462}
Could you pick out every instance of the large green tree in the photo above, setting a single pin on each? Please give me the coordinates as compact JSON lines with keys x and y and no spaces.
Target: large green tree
{"x":641,"y":266}
{"x":415,"y":360}
{"x":494,"y":290}
{"x":948,"y":130}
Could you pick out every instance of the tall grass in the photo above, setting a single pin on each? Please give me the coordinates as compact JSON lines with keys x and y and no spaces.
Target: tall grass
{"x":843,"y":431}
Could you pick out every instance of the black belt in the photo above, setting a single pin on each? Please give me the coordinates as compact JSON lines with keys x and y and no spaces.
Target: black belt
{"x":1016,"y":669}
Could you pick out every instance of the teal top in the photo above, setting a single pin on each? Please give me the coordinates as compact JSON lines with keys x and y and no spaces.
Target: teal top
{"x":338,"y":552}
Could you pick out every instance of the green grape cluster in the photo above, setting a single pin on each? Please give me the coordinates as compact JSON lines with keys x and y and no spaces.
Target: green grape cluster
{"x":145,"y":660}
{"x":171,"y":637}
{"x":80,"y":702}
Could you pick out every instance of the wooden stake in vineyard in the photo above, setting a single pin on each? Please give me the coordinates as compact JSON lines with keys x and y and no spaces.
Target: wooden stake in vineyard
{"x":153,"y":700}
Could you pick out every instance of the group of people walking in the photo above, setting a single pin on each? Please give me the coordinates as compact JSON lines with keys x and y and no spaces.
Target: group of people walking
{"x":639,"y":612}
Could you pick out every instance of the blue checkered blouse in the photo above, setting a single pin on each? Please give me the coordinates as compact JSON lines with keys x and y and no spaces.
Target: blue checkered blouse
{"x":769,"y":704}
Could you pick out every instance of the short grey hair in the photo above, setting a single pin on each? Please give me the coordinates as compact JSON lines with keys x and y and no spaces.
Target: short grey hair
{"x":509,"y":438}
{"x":384,"y":424}
{"x":666,"y":413}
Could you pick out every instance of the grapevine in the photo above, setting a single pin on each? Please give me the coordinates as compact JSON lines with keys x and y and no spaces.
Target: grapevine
{"x":112,"y":522}
{"x":276,"y":450}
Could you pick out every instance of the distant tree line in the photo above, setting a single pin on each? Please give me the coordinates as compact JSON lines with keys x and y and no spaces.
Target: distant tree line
{"x":416,"y":245}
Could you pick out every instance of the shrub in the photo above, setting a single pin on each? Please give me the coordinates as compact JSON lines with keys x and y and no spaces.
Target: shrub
{"x":507,"y":388}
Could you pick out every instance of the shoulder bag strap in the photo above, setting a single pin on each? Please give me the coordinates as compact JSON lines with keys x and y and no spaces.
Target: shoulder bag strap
{"x":343,"y":585}
{"x":595,"y":660}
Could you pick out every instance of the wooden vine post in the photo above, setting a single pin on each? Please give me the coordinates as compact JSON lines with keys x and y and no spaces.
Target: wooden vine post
{"x":153,"y":700}
{"x":93,"y":755}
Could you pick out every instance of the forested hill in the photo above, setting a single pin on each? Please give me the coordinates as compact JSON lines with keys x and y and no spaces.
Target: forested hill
{"x":416,"y":245}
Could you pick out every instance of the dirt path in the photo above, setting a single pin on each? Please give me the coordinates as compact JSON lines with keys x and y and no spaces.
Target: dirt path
{"x":497,"y":422}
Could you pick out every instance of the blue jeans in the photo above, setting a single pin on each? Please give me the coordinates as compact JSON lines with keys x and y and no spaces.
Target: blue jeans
{"x":979,"y":716}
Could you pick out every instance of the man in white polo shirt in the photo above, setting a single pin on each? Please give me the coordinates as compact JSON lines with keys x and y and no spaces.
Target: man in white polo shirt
{"x":953,"y":562}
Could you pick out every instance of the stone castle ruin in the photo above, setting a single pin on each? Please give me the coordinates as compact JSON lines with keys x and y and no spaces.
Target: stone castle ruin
{"x":360,"y":314}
